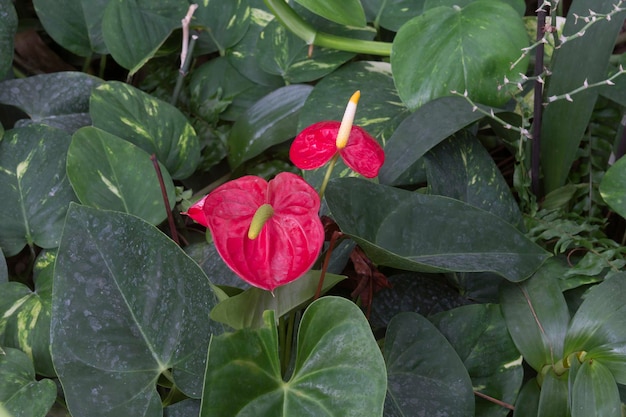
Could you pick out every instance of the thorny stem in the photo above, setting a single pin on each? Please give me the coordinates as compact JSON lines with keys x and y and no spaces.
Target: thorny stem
{"x":168,"y":210}
{"x":538,"y":110}
{"x":585,"y":86}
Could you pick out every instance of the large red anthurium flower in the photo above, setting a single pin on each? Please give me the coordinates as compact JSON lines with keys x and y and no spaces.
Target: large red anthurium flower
{"x":320,"y":142}
{"x":268,"y":233}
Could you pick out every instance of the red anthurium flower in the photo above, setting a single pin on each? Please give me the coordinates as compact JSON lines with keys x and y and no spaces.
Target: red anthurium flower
{"x":320,"y":142}
{"x":268,"y":233}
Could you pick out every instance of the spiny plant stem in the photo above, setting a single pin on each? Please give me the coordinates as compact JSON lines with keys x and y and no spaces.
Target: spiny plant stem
{"x":168,"y":210}
{"x":538,"y":108}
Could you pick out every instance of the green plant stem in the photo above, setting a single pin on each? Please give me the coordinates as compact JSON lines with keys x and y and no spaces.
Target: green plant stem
{"x":329,"y":170}
{"x":291,"y":324}
{"x":183,"y":71}
{"x":282,"y":342}
{"x":103,"y":65}
{"x":292,"y":21}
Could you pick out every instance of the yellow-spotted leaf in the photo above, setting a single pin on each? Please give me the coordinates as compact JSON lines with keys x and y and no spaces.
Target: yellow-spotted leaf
{"x":152,"y":124}
{"x":110,"y":173}
{"x":25,"y":315}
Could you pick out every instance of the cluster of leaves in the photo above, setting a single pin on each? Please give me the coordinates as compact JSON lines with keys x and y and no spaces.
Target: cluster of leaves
{"x":121,"y":317}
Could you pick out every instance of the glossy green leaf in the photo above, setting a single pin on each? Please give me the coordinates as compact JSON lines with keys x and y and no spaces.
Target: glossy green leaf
{"x":283,"y":53}
{"x":339,"y":370}
{"x":127,"y":305}
{"x":272,"y":120}
{"x":421,"y":131}
{"x":464,"y":49}
{"x":106,"y":171}
{"x":429,"y":233}
{"x":392,"y":14}
{"x":25,"y":315}
{"x":223,"y":23}
{"x":345,"y":12}
{"x":480,"y":337}
{"x":60,"y":99}
{"x":461,"y":168}
{"x":595,"y":392}
{"x":425,"y":374}
{"x":379,"y":110}
{"x":8,"y":28}
{"x":4,"y":271}
{"x":613,"y":187}
{"x":560,"y":132}
{"x":185,"y":408}
{"x":537,"y":316}
{"x":243,"y":56}
{"x":527,"y":402}
{"x":20,"y":393}
{"x":76,"y":25}
{"x":213,"y":265}
{"x":600,"y":318}
{"x":613,"y":356}
{"x":518,"y":5}
{"x":34,"y":188}
{"x":554,"y":396}
{"x":134,"y":30}
{"x":246,"y":309}
{"x":154,"y":125}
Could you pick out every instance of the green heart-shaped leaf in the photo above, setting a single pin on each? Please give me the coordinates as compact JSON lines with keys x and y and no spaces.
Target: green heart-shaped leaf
{"x":429,"y":233}
{"x":20,"y":393}
{"x":25,"y":315}
{"x":223,"y":22}
{"x":426,"y":376}
{"x":464,"y":49}
{"x":74,"y":24}
{"x":59,"y":100}
{"x":106,"y":172}
{"x":613,"y":187}
{"x":7,"y":35}
{"x":270,"y":121}
{"x":392,"y":14}
{"x":480,"y":337}
{"x":152,"y":124}
{"x":127,"y":306}
{"x":134,"y":30}
{"x":339,"y":370}
{"x":34,"y":188}
{"x":537,"y":316}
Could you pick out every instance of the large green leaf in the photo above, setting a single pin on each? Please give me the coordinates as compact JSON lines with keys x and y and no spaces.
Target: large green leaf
{"x":528,"y":400}
{"x":600,"y":318}
{"x":537,"y":317}
{"x":34,"y":188}
{"x":561,"y":133}
{"x":152,"y":124}
{"x":272,"y":120}
{"x":554,"y":396}
{"x":339,"y":370}
{"x":345,"y":12}
{"x":224,"y":23}
{"x":429,"y":233}
{"x":464,"y":49}
{"x":246,"y":309}
{"x":425,"y":374}
{"x":479,"y":335}
{"x":106,"y":172}
{"x":59,"y":100}
{"x":134,"y":30}
{"x":20,"y":393}
{"x":392,"y":14}
{"x":8,"y":17}
{"x":421,"y":131}
{"x":127,"y":306}
{"x":613,"y":356}
{"x":283,"y":53}
{"x":613,"y":187}
{"x":25,"y":315}
{"x":595,"y":392}
{"x":461,"y":168}
{"x":4,"y":271}
{"x":518,"y":5}
{"x":74,"y":24}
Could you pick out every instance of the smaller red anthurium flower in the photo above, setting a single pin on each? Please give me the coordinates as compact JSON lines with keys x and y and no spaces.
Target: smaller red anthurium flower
{"x":320,"y":142}
{"x":268,"y":233}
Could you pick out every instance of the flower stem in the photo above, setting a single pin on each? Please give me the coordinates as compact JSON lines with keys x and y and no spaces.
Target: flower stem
{"x":292,"y":21}
{"x":329,"y":171}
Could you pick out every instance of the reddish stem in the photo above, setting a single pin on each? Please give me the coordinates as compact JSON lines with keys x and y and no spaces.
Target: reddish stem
{"x":336,"y":235}
{"x":168,"y":210}
{"x":493,"y":400}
